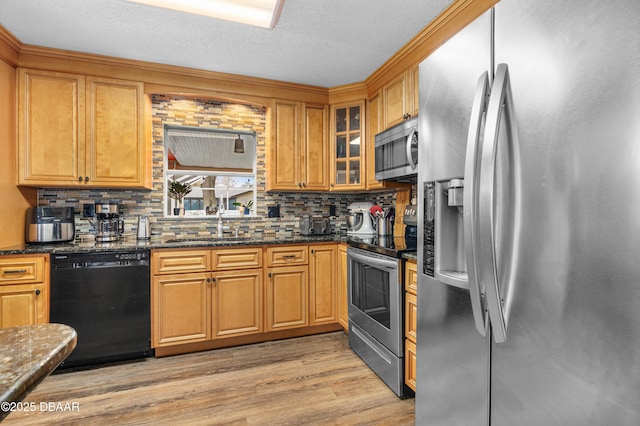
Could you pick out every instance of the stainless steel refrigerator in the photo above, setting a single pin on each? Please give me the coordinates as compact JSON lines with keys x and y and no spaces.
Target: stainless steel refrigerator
{"x":529,"y":194}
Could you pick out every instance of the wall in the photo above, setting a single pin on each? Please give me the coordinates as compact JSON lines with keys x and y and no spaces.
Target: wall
{"x":14,"y":201}
{"x":209,"y":113}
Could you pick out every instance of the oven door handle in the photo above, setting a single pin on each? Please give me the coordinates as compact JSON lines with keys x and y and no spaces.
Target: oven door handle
{"x":374,"y":261}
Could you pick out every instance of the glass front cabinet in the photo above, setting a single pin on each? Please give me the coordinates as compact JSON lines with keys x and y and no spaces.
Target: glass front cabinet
{"x":347,"y":132}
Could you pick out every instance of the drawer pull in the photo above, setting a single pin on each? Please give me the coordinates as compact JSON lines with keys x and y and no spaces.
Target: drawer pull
{"x":289,"y":256}
{"x":15,"y":271}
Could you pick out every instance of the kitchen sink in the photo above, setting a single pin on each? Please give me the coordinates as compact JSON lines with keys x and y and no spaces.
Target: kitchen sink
{"x":206,"y":240}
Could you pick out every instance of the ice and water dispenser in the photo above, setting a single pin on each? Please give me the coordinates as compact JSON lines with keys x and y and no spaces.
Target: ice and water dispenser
{"x":450,"y":255}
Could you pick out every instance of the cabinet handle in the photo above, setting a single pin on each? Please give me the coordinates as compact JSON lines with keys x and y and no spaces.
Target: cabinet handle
{"x":312,"y":251}
{"x":213,"y":279}
{"x":289,"y":256}
{"x":38,"y":292}
{"x":15,"y":271}
{"x":270,"y":275}
{"x":86,"y":178}
{"x":79,"y":178}
{"x":304,"y":184}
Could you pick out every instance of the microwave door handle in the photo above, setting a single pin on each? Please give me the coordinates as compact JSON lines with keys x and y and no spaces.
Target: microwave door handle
{"x":500,"y":102}
{"x":374,"y":261}
{"x":470,"y":204}
{"x":413,"y":134}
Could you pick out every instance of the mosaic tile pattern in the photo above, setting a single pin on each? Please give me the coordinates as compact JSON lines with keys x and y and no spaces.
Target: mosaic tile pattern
{"x":209,"y":113}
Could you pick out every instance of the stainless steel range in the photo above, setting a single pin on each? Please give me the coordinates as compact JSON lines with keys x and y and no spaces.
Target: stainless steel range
{"x":376,"y":303}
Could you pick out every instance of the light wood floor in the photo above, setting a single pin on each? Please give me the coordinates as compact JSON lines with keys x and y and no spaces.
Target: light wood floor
{"x":315,"y":380}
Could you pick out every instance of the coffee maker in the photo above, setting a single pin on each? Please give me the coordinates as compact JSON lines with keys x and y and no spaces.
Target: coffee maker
{"x":109,"y":226}
{"x":359,"y":221}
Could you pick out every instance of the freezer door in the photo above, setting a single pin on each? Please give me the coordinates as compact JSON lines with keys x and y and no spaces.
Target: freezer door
{"x":453,"y":359}
{"x":448,"y":80}
{"x":572,"y":349}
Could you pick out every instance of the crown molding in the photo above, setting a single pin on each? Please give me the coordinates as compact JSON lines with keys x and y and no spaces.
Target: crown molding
{"x":9,"y":47}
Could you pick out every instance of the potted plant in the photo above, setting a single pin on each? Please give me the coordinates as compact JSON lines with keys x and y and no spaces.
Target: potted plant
{"x":178,"y":191}
{"x":246,"y":208}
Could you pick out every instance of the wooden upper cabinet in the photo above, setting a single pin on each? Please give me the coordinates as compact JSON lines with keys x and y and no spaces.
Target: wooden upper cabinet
{"x":116,"y":150}
{"x":51,"y":116}
{"x":316,"y":138}
{"x":75,"y":130}
{"x":374,"y":126}
{"x":400,"y":98}
{"x":348,"y":148}
{"x":298,"y":155}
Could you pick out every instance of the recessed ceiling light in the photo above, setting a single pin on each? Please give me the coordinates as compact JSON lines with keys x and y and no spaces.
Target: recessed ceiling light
{"x":260,"y":13}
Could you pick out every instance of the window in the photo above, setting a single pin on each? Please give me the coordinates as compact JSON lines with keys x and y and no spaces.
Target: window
{"x":219,"y":167}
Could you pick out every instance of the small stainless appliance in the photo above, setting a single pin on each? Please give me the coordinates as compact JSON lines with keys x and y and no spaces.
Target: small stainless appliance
{"x":359,"y":220}
{"x":310,"y":225}
{"x":49,"y":225}
{"x":144,"y":228}
{"x":109,"y":226}
{"x":396,"y":156}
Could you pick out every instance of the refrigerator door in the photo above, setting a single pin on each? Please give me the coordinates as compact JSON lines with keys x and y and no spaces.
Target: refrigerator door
{"x":452,"y":355}
{"x":572,"y":349}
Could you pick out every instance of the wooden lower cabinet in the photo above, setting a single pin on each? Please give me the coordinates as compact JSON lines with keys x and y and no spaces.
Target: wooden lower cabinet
{"x":323,"y":284}
{"x":411,"y":322}
{"x":287,"y":297}
{"x":410,"y":369}
{"x":22,"y":305}
{"x":181,"y":309}
{"x":237,"y":303}
{"x":200,"y":296}
{"x":24,"y":290}
{"x":343,"y":288}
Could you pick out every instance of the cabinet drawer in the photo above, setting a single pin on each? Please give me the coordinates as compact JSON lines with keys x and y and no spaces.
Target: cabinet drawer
{"x":22,"y":270}
{"x":410,"y":370}
{"x":287,"y":256}
{"x":411,"y":317}
{"x":411,"y":277}
{"x":177,"y":261}
{"x":243,"y":258}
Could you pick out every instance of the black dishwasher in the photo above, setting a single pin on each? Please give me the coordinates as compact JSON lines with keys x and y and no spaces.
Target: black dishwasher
{"x":105,"y":297}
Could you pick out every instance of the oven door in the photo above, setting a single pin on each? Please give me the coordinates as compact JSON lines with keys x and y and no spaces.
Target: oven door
{"x":375,"y":297}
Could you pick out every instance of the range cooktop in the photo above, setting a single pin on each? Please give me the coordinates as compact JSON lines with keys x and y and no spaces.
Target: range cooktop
{"x":388,"y":246}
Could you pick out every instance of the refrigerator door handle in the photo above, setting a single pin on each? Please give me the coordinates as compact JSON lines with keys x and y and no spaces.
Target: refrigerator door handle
{"x":498,"y":304}
{"x":470,"y":210}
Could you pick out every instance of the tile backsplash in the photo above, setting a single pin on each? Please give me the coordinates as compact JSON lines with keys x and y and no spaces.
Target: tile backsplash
{"x":181,"y":111}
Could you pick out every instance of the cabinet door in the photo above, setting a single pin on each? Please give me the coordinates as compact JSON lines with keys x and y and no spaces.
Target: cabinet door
{"x":323,"y":285}
{"x":410,"y":317}
{"x":22,"y":305}
{"x":116,"y":149}
{"x":51,"y":115}
{"x":411,"y":277}
{"x":348,"y":149}
{"x":181,"y":309}
{"x":413,"y":105}
{"x":316,"y":147}
{"x":237,"y":303}
{"x":287,"y":298}
{"x":410,"y":366}
{"x":374,"y":126}
{"x":343,"y":290}
{"x":283,"y":166}
{"x":394,"y":101}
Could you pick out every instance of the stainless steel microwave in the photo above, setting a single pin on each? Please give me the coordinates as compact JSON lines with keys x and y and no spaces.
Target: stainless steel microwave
{"x":397,"y":152}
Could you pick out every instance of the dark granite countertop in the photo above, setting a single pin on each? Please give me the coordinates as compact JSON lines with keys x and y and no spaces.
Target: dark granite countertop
{"x":185,"y":241}
{"x":28,"y":354}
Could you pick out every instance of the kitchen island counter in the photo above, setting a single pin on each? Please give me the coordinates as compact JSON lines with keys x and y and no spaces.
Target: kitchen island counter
{"x":28,"y":354}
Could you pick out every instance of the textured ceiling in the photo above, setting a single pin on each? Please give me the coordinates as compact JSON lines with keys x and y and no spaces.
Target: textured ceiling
{"x":324,"y":43}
